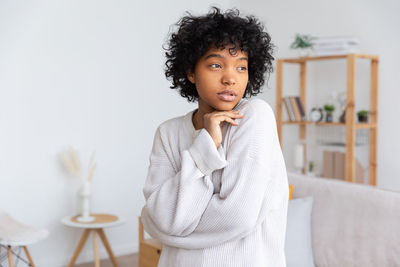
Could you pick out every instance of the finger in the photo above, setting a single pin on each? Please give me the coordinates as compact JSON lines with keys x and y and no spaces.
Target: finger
{"x":235,"y":116}
{"x":229,"y":120}
{"x":230,"y":114}
{"x":225,"y":112}
{"x":220,"y":118}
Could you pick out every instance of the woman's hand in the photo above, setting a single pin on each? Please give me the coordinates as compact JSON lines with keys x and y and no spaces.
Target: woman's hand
{"x":213,"y":123}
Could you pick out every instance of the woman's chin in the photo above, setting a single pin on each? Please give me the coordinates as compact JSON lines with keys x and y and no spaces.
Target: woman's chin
{"x":221,"y":105}
{"x":226,"y":106}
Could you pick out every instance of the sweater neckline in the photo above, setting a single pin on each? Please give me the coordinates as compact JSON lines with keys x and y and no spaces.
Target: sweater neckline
{"x":188,"y":117}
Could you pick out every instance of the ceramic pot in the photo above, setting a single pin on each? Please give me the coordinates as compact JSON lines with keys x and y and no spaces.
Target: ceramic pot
{"x":329,"y":117}
{"x":362,"y":118}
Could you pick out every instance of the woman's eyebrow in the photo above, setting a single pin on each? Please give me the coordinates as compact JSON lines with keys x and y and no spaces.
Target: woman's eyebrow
{"x":221,"y":56}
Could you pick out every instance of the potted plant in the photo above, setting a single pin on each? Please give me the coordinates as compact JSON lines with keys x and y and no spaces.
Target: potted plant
{"x":303,"y":43}
{"x":311,"y":166}
{"x":363,"y":115}
{"x":329,"y":110}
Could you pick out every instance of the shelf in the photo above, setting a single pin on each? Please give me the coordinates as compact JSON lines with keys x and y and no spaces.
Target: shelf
{"x":304,"y":59}
{"x":357,"y":125}
{"x":332,"y":143}
{"x":339,"y":144}
{"x":350,"y":130}
{"x":366,"y":125}
{"x":297,"y":122}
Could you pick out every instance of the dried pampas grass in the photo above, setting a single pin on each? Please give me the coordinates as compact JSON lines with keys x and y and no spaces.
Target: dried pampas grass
{"x":91,"y":172}
{"x":72,"y":163}
{"x":70,"y":160}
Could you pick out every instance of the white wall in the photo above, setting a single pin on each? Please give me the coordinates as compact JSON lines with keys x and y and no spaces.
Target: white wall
{"x":90,"y":74}
{"x":375,"y":23}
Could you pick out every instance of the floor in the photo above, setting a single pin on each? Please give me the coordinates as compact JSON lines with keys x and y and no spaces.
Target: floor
{"x":123,"y":261}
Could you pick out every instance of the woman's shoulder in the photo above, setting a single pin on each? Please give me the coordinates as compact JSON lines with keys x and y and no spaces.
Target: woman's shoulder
{"x":172,"y":122}
{"x":256,"y":106}
{"x":172,"y":125}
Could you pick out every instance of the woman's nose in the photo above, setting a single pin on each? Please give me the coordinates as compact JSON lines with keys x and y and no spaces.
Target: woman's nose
{"x":228,"y":79}
{"x":229,"y":82}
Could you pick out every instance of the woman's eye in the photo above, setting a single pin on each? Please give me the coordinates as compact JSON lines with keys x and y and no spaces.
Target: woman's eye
{"x":215,"y":65}
{"x":242,"y":68}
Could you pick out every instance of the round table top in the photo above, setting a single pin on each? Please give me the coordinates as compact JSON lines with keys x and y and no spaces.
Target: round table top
{"x":100,"y":221}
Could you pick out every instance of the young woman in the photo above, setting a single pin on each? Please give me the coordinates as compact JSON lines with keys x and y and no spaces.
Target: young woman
{"x":216,"y":191}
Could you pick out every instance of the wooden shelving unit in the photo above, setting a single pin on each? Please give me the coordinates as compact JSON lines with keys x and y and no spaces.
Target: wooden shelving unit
{"x":351,"y":125}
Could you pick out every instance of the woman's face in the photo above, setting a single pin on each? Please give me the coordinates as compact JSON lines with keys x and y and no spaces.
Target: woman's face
{"x":220,"y":78}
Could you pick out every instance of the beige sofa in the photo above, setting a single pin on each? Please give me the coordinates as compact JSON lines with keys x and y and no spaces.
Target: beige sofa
{"x":351,"y":224}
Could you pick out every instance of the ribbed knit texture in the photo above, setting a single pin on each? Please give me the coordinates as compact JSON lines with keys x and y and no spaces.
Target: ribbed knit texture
{"x":215,"y":207}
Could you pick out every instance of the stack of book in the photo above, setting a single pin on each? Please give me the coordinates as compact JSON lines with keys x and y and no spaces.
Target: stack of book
{"x":334,"y":166}
{"x":294,"y":108}
{"x":328,"y":46}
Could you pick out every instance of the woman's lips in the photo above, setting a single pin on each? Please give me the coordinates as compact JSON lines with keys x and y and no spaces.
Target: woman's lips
{"x":226,"y":97}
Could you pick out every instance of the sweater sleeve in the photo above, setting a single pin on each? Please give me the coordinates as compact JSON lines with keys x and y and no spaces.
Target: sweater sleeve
{"x":176,"y":200}
{"x":254,"y":182}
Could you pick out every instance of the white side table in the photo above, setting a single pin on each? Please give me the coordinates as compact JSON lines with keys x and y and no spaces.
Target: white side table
{"x":101,"y":221}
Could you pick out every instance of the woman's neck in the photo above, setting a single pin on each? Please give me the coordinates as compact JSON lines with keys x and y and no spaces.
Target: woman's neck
{"x":197,"y":118}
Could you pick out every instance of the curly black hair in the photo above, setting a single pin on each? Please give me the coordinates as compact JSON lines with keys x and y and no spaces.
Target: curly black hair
{"x":196,"y":35}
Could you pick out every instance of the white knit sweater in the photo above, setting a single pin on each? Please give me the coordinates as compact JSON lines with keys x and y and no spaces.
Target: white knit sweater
{"x":214,"y":207}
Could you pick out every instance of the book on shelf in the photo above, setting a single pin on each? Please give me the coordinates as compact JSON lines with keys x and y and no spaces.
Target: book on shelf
{"x":336,"y":40}
{"x":332,"y":46}
{"x":335,"y":52}
{"x":294,"y":108}
{"x":288,"y":111}
{"x":329,"y":46}
{"x":301,"y":108}
{"x":328,"y":162}
{"x":334,"y":163}
{"x":338,"y":167}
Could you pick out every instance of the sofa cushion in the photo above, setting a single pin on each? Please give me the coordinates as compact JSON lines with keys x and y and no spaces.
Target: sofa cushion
{"x":352,"y":224}
{"x":298,"y":248}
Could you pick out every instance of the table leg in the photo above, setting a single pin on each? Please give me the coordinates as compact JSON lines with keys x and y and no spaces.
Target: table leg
{"x":79,"y":247}
{"x":96,"y":249}
{"x":108,"y":247}
{"x":29,"y":256}
{"x":10,"y":259}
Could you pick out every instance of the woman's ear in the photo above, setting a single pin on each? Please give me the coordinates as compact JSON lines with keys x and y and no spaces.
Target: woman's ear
{"x":190,"y":76}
